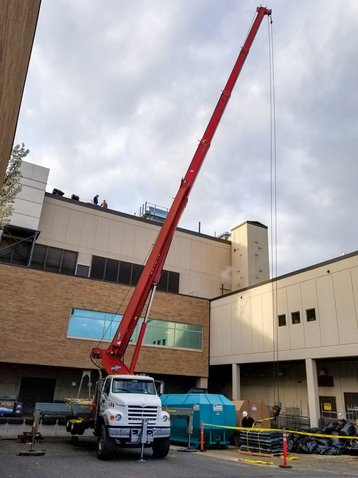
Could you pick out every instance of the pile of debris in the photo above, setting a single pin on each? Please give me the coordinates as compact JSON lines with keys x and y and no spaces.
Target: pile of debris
{"x":326,"y":446}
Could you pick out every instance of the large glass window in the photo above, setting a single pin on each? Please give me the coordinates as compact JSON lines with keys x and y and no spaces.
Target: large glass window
{"x":90,"y":324}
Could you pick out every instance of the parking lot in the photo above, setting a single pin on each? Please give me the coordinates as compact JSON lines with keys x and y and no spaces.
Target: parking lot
{"x":63,"y":458}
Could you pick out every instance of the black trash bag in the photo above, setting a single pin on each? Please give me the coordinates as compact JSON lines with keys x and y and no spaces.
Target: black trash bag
{"x":307,"y":446}
{"x":292,"y":442}
{"x":323,"y":441}
{"x":341,"y":424}
{"x":334,"y":450}
{"x":330,"y":428}
{"x":348,"y":430}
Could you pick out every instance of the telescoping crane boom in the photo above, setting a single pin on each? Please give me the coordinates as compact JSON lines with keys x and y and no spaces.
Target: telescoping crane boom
{"x":111,"y":359}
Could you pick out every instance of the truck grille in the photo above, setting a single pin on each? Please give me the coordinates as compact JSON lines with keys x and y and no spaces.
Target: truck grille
{"x":137,"y":413}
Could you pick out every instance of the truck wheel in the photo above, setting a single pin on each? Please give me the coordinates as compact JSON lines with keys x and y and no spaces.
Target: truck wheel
{"x":105,"y":446}
{"x":161,"y":447}
{"x":77,"y":429}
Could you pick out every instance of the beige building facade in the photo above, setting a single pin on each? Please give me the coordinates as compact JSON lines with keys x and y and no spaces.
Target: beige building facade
{"x":293,"y":340}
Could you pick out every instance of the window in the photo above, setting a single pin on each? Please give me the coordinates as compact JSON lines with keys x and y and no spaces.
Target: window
{"x":94,"y":325}
{"x":281,"y":320}
{"x":111,"y":271}
{"x":124,"y":272}
{"x":15,"y":250}
{"x":53,"y":259}
{"x":97,"y":268}
{"x":133,"y":385}
{"x":311,"y":315}
{"x":173,"y":282}
{"x":295,"y":317}
{"x":136,"y":272}
{"x":82,"y":271}
{"x":39,"y":256}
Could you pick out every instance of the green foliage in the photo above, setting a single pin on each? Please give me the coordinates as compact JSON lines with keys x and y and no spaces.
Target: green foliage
{"x":12,"y":184}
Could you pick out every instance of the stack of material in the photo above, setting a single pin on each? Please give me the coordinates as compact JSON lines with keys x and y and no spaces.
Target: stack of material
{"x":324,"y":445}
{"x":261,"y":442}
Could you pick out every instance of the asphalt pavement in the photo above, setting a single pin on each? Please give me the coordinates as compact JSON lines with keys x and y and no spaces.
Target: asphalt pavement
{"x":78,"y":460}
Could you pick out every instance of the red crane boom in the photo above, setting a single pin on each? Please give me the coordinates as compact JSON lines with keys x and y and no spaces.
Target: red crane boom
{"x":111,"y":359}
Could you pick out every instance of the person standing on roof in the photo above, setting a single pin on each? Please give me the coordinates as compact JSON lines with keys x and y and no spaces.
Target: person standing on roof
{"x":247,"y":421}
{"x":95,"y":200}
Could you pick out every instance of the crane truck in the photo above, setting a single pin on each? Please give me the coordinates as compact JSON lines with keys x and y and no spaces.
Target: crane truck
{"x":126,"y":409}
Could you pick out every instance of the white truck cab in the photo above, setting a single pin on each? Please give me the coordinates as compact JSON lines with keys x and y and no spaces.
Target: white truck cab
{"x":128,"y":412}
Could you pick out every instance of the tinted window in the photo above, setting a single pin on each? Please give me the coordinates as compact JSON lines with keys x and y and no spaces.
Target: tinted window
{"x":53,"y":259}
{"x":111,"y":271}
{"x":39,"y":256}
{"x":163,"y":282}
{"x":69,"y":260}
{"x":97,"y":267}
{"x":125,"y":272}
{"x":173,"y":282}
{"x":136,"y":272}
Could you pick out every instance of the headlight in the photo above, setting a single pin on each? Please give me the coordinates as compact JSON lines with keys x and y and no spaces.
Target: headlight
{"x":165,"y":417}
{"x":117,"y":417}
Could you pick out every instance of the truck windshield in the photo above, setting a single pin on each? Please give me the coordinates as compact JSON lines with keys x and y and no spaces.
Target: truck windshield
{"x":121,"y":385}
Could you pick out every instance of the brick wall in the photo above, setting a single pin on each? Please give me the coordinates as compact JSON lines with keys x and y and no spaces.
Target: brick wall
{"x":35,"y":309}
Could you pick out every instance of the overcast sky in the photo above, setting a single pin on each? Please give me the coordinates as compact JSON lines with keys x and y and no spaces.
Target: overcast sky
{"x":119,"y":92}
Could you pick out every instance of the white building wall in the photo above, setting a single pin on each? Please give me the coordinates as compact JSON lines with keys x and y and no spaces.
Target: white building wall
{"x":28,"y":203}
{"x":244,"y":325}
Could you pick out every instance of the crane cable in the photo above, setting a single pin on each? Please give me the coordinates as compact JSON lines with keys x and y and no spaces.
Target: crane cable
{"x":273,"y":211}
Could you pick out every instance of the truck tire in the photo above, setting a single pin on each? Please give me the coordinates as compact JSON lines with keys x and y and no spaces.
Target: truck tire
{"x":105,"y":446}
{"x":161,"y":447}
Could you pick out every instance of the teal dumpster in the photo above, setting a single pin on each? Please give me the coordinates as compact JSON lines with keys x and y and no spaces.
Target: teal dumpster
{"x":193,"y":409}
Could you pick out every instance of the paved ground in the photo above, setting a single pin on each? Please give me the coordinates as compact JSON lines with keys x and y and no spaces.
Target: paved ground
{"x":64,"y":459}
{"x":337,"y":465}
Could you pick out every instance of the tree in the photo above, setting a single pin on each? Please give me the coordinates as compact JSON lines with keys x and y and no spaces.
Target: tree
{"x":12,"y":184}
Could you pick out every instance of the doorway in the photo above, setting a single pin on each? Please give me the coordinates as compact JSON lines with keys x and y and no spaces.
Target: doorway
{"x":328,"y":407}
{"x":34,"y":389}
